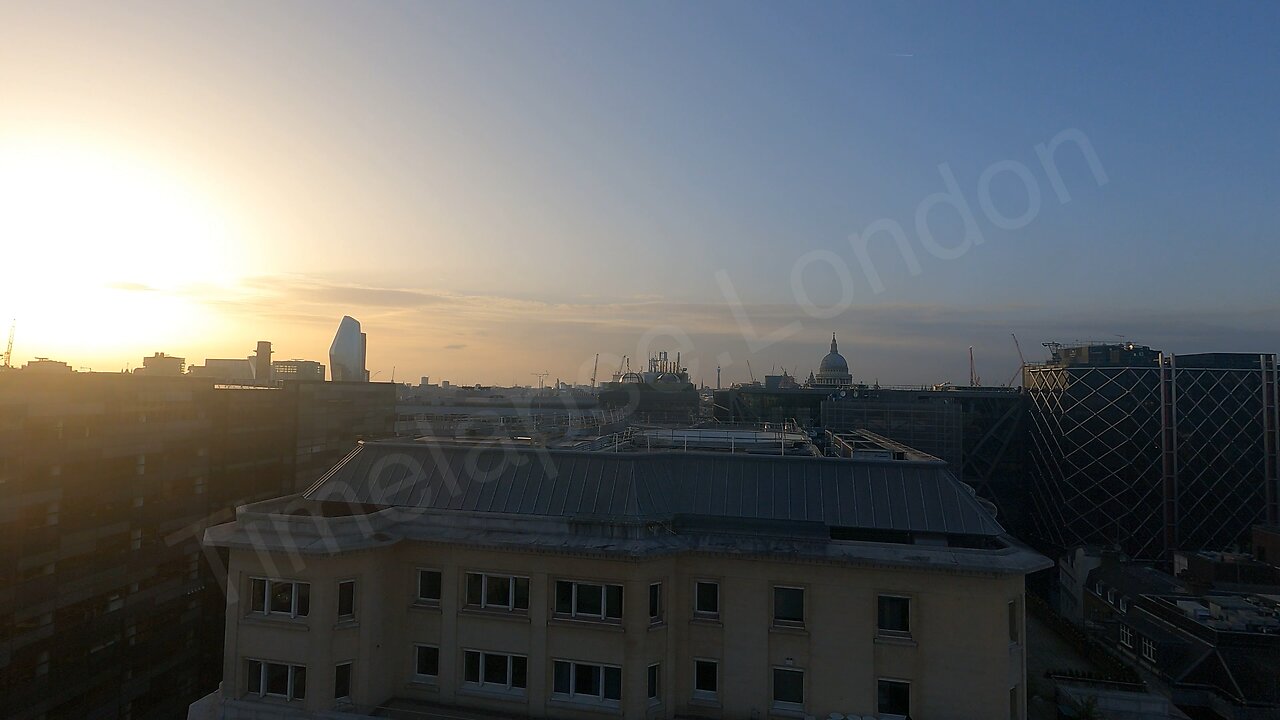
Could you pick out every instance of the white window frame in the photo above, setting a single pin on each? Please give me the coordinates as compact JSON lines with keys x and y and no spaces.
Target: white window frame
{"x":575,"y":613}
{"x":484,"y":591}
{"x":1148,"y":649}
{"x":417,"y":590}
{"x":911,"y":611}
{"x":1124,"y":605}
{"x":354,"y":602}
{"x":804,"y":602}
{"x":773,"y":689}
{"x":573,"y":695}
{"x":419,"y":677}
{"x":1126,"y":635}
{"x":706,"y":613}
{"x":654,"y":673}
{"x":491,"y":687}
{"x":294,"y":596}
{"x":262,"y":679}
{"x":706,"y":694}
{"x":892,"y":716}
{"x":652,"y":598}
{"x":351,"y":680}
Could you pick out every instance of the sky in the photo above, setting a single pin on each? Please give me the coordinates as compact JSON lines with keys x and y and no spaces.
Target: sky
{"x":498,"y":189}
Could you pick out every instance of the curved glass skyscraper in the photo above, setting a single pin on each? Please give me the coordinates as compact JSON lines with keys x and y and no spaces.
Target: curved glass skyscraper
{"x":346,"y":354}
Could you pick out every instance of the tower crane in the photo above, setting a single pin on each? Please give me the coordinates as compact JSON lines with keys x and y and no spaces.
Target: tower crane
{"x":1022,"y":361}
{"x":594,"y":369}
{"x":541,"y":377}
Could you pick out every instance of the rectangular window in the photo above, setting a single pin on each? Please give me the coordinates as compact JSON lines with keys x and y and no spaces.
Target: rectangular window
{"x":586,"y":682}
{"x":894,"y":615}
{"x":893,"y":698}
{"x":426,"y":662}
{"x":1013,"y":621}
{"x":347,"y":599}
{"x":1148,"y":649}
{"x":506,"y":592}
{"x":495,"y":671}
{"x":279,"y":597}
{"x":654,"y":682}
{"x":788,"y":687}
{"x":429,"y":586}
{"x":788,"y":606}
{"x":588,"y":600}
{"x":655,"y":603}
{"x":276,"y":679}
{"x":706,"y":597}
{"x":706,"y":678}
{"x":342,"y":682}
{"x":1126,"y":636}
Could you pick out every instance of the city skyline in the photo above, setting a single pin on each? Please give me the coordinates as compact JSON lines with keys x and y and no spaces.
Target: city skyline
{"x":502,"y":190}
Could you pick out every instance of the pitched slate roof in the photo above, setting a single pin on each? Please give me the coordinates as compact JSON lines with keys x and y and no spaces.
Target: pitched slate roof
{"x":866,"y":494}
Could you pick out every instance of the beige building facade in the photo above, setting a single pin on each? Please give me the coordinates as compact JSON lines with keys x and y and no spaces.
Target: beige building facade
{"x":342,"y":610}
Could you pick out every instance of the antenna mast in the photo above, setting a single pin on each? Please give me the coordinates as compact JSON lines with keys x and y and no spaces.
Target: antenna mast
{"x":8,"y":351}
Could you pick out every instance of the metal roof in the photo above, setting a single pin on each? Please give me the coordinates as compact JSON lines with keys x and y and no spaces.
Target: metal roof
{"x":865,"y":494}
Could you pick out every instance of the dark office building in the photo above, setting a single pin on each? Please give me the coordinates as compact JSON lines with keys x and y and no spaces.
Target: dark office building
{"x":978,"y":431}
{"x":1150,"y":452}
{"x":108,"y":607}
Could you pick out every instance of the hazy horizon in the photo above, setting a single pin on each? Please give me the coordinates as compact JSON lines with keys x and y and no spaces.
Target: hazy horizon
{"x":501,"y":189}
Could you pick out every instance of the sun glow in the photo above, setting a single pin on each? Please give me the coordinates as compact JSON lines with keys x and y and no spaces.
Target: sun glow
{"x":103,"y":252}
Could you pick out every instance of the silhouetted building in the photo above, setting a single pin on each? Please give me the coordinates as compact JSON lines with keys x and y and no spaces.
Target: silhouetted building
{"x":262,"y":364}
{"x":308,"y":370}
{"x":162,"y":365}
{"x":661,"y":394}
{"x":222,"y":370}
{"x":1152,"y":453}
{"x":347,"y":353}
{"x":108,"y":608}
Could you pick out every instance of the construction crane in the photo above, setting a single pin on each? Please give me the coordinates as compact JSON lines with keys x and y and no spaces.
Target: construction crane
{"x":1022,"y":361}
{"x":974,"y":380}
{"x":594,"y":369}
{"x":541,"y":377}
{"x":8,"y":350}
{"x":751,"y":374}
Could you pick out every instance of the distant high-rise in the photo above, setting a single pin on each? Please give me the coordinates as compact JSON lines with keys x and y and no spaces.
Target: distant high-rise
{"x":262,"y":363}
{"x":346,"y":354}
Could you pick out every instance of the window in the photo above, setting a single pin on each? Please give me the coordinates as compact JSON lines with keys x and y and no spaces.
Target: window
{"x":1124,"y":605}
{"x":587,"y":682}
{"x":429,"y":586}
{"x":426,"y":662}
{"x":788,"y":687}
{"x":1126,"y":636}
{"x":347,"y":599}
{"x":1014,"y":625}
{"x":706,"y":679}
{"x":894,"y":615}
{"x":1148,"y":649}
{"x":655,"y":603}
{"x":654,"y":683}
{"x":1097,"y":589}
{"x":342,"y":682}
{"x":495,"y":671}
{"x":788,"y":606}
{"x":276,"y":679}
{"x":706,"y":597}
{"x":1111,"y":596}
{"x":279,"y":597}
{"x":589,"y":600}
{"x":893,"y":698}
{"x":497,"y":591}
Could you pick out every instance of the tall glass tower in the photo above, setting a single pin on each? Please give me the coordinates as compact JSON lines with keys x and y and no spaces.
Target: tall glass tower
{"x":346,"y":354}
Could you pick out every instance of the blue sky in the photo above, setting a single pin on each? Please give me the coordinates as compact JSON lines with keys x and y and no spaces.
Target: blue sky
{"x":538,"y":182}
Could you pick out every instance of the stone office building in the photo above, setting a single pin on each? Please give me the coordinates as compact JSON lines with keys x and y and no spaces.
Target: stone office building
{"x":523,"y":581}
